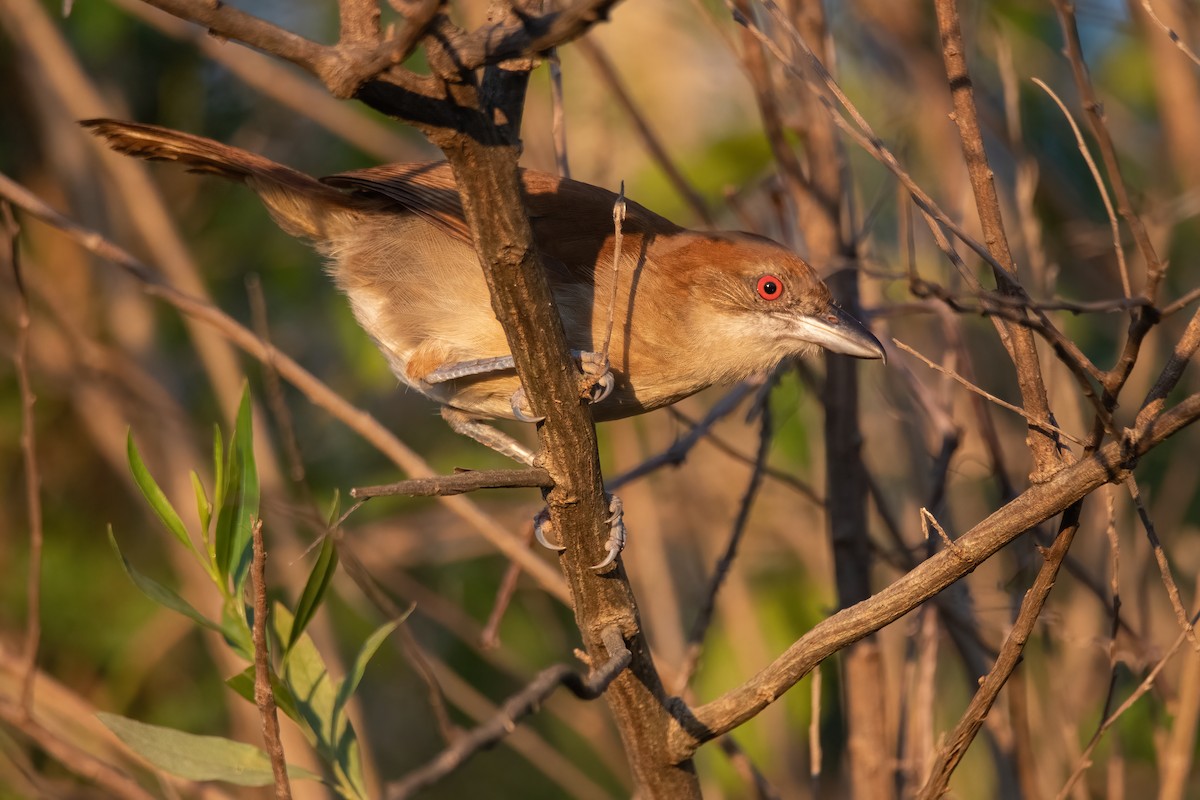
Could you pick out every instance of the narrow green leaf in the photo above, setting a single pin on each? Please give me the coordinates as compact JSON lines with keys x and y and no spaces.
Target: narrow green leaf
{"x":235,"y":517}
{"x":314,"y":588}
{"x":243,"y":684}
{"x":365,"y":653}
{"x":154,"y":495}
{"x":198,"y":758}
{"x":203,"y":506}
{"x":306,"y":676}
{"x":236,"y":627}
{"x":159,"y":593}
{"x":218,"y":467}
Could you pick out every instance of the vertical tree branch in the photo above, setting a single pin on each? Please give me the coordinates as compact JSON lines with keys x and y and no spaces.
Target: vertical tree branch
{"x":264,"y":696}
{"x":1042,"y":444}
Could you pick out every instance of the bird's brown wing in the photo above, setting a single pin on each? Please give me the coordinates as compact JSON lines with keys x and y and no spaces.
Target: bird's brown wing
{"x":572,"y":221}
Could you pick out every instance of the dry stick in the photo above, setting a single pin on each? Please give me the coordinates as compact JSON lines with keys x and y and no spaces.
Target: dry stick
{"x":460,"y":483}
{"x":814,"y":732}
{"x":618,"y":215}
{"x":33,"y":476}
{"x":519,"y":705}
{"x":489,"y":638}
{"x":1144,"y":320}
{"x":285,"y":86}
{"x":410,"y":647}
{"x":1044,"y":448}
{"x":1170,"y":32}
{"x":1114,"y":226}
{"x":986,"y":395}
{"x":317,"y":392}
{"x":264,"y":697}
{"x":751,"y":774}
{"x":1010,"y":655}
{"x":1145,"y":686}
{"x":696,"y":636}
{"x":558,"y":124}
{"x":1160,"y":558}
{"x":677,"y":452}
{"x":782,"y":476}
{"x":1114,"y":549}
{"x":1036,"y":504}
{"x":608,"y":74}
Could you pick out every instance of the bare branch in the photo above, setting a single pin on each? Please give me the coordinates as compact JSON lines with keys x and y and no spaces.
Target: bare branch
{"x":460,"y":483}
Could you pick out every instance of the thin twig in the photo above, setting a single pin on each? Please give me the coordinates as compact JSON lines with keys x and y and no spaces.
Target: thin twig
{"x":558,"y":125}
{"x":460,"y":483}
{"x":33,"y":477}
{"x":264,"y":697}
{"x":678,"y":451}
{"x":519,"y":705}
{"x":973,"y":388}
{"x":695,"y":642}
{"x":1170,"y":32}
{"x":490,"y":637}
{"x":1160,"y":557}
{"x":1085,"y":759}
{"x":1099,"y":181}
{"x":618,"y":214}
{"x":973,"y":718}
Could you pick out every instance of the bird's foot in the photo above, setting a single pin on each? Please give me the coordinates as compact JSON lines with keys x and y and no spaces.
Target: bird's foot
{"x":522,"y":411}
{"x":541,"y":526}
{"x":597,"y":372}
{"x":616,"y":531}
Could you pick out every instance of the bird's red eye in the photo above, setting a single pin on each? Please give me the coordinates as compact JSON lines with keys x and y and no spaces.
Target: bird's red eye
{"x":770,"y":287}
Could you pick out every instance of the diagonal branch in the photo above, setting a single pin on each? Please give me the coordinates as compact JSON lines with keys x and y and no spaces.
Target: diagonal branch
{"x":1035,"y":505}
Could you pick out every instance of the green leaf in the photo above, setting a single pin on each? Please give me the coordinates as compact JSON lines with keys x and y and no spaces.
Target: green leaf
{"x":314,"y":588}
{"x":203,"y":506}
{"x":243,"y":684}
{"x":236,"y":628}
{"x":239,"y":505}
{"x":154,"y":495}
{"x":306,"y":676}
{"x":159,"y":593}
{"x":198,"y":758}
{"x":365,"y":653}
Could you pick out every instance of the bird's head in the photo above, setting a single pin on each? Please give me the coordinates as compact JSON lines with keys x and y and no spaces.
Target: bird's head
{"x":767,"y":302}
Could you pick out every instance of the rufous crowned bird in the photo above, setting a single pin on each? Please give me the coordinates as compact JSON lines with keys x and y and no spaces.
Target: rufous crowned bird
{"x":695,"y":309}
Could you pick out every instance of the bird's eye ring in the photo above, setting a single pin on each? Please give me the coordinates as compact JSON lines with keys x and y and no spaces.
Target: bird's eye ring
{"x":770,"y":287}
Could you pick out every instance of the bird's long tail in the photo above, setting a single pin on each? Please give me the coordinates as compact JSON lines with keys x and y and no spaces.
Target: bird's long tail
{"x":301,"y":205}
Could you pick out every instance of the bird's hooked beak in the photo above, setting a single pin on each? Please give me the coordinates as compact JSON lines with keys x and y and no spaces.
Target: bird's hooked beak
{"x":838,"y":332}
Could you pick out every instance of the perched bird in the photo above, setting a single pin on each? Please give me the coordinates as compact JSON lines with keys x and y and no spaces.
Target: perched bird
{"x":693,"y":309}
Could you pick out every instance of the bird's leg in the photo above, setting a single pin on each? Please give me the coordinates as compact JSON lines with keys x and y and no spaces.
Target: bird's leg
{"x":593,"y":365}
{"x":463,"y":423}
{"x":596,"y":368}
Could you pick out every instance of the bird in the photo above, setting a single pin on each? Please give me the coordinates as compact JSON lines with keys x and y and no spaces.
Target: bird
{"x":694,"y":309}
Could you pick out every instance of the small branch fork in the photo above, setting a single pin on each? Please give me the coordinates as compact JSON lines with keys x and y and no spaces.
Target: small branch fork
{"x":520,"y":705}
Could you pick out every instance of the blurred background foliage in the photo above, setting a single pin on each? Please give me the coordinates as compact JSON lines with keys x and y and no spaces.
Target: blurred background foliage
{"x":105,"y":357}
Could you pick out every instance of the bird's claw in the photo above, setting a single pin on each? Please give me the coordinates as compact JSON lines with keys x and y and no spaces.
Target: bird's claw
{"x":597,"y":369}
{"x":542,"y":523}
{"x":616,"y":532}
{"x":521,"y":409}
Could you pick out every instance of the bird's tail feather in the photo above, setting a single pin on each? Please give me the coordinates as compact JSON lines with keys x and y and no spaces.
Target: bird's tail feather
{"x":301,"y":205}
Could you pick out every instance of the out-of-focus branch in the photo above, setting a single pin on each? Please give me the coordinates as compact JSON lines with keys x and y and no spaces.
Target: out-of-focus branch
{"x":973,"y":718}
{"x":1042,"y":444}
{"x":519,"y":705}
{"x":1033,"y":506}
